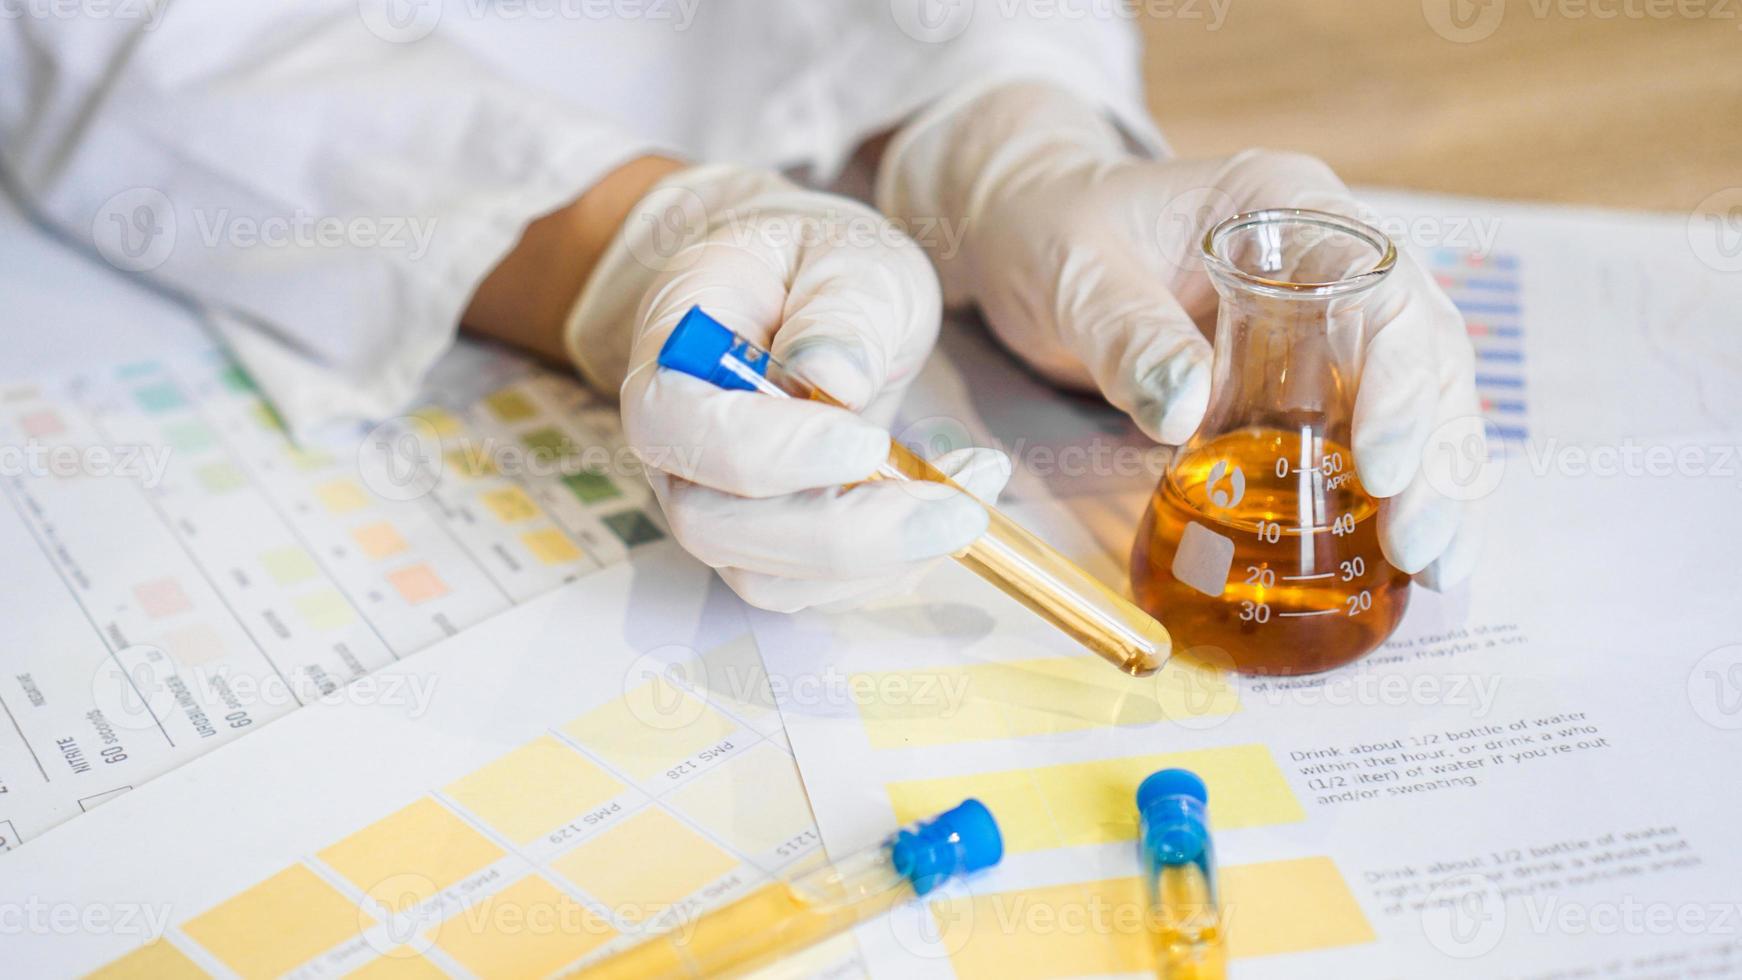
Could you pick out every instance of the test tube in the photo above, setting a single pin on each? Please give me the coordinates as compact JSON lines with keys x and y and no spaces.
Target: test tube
{"x":786,"y":917}
{"x":1179,"y":873}
{"x":1021,"y":565}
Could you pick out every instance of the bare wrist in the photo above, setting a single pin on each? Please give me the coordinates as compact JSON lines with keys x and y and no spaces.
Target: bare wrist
{"x":526,"y":298}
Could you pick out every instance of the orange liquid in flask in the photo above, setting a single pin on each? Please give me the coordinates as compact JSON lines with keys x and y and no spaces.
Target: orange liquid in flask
{"x":1260,"y":549}
{"x":1306,"y":587}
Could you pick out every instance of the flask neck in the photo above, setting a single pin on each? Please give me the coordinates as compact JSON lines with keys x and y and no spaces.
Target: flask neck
{"x":1284,"y":364}
{"x":1290,"y":323}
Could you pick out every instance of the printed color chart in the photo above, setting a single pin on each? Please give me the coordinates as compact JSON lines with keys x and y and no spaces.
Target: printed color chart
{"x":599,"y":764}
{"x":1486,"y":289}
{"x":193,"y":571}
{"x":549,"y":829}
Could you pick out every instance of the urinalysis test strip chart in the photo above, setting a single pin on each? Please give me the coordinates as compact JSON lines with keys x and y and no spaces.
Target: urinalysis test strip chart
{"x":1486,"y":288}
{"x":579,"y":824}
{"x":194,"y":572}
{"x":591,"y":767}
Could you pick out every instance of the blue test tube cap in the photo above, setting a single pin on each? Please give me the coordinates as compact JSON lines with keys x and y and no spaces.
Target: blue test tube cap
{"x":955,"y":842}
{"x":1171,"y":806}
{"x":1170,"y":782}
{"x":696,"y":347}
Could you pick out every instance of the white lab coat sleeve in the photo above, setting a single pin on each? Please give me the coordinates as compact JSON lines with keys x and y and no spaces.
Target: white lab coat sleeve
{"x":915,"y":55}
{"x":331,"y":196}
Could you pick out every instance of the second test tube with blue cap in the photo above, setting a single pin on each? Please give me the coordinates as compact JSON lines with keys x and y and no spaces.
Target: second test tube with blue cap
{"x":785,"y":917}
{"x":1179,"y":869}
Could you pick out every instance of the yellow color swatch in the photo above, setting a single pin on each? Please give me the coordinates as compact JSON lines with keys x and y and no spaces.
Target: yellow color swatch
{"x":534,"y":788}
{"x":510,"y":405}
{"x":399,"y":964}
{"x":220,"y":477}
{"x":1098,"y":927}
{"x":379,"y":540}
{"x":1032,"y":697}
{"x":528,"y":929}
{"x":1288,"y":907}
{"x":754,"y":801}
{"x":341,"y":496}
{"x":510,"y":505}
{"x":644,"y":864}
{"x":154,"y":961}
{"x":470,"y":461}
{"x":1078,"y":929}
{"x":440,"y":420}
{"x":308,"y":460}
{"x":325,"y":610}
{"x":410,"y":855}
{"x":551,"y":546}
{"x":1090,"y":802}
{"x":288,"y":566}
{"x":651,"y":728}
{"x":283,"y":922}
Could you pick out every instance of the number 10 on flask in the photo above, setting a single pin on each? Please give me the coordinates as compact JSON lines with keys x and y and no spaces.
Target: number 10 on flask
{"x":1260,"y":548}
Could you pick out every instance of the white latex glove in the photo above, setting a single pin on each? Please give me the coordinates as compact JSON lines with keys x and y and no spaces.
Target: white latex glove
{"x":753,"y":484}
{"x":1084,"y":260}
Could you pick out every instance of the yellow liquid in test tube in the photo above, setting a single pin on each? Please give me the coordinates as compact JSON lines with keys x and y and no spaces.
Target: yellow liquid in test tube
{"x":787,"y":917}
{"x":1185,"y":921}
{"x":747,"y":935}
{"x":1187,"y":934}
{"x":1021,"y":565}
{"x":1033,"y":573}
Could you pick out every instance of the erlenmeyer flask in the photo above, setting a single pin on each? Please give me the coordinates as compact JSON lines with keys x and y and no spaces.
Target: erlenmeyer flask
{"x":1260,"y":545}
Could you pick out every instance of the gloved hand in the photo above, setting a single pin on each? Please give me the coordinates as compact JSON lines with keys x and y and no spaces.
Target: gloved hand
{"x":1084,"y":259}
{"x":751,"y":484}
